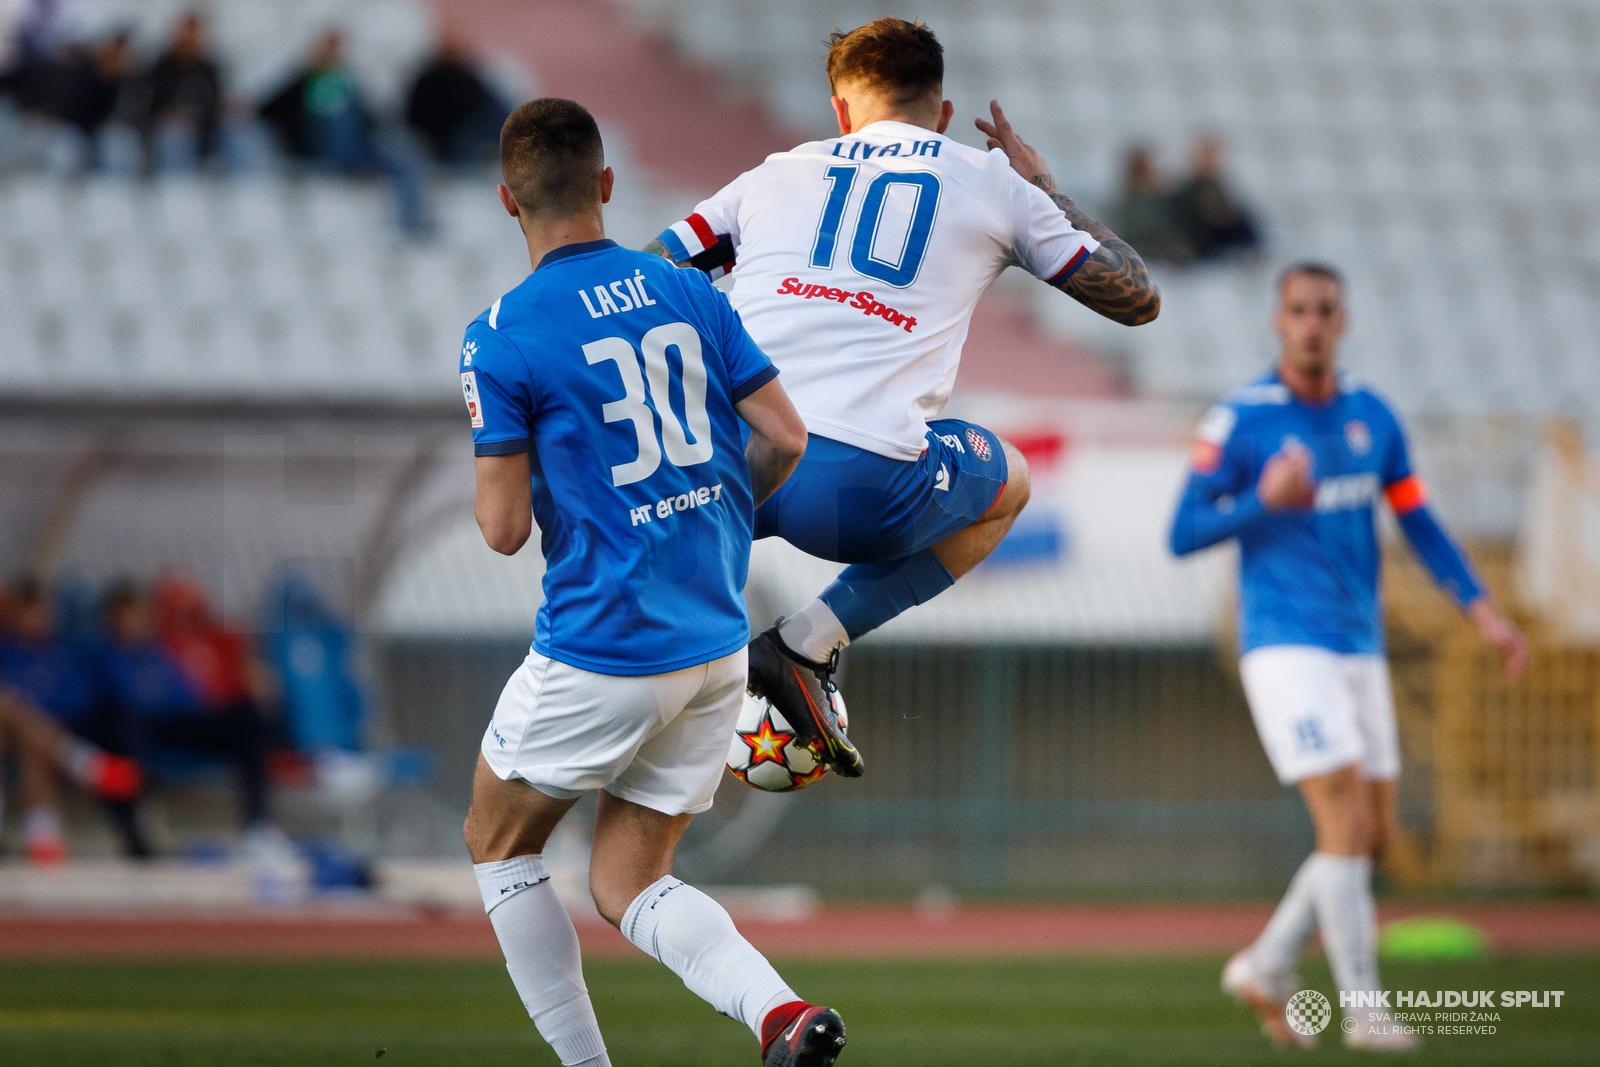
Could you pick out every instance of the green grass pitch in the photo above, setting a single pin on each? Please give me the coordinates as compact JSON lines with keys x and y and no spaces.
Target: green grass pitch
{"x":1020,"y":1013}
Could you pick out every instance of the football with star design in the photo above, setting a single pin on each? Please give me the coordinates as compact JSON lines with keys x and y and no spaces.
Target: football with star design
{"x":766,"y":754}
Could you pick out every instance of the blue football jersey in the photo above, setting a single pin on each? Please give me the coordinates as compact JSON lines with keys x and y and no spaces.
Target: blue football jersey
{"x":618,"y":373}
{"x":1309,"y":576}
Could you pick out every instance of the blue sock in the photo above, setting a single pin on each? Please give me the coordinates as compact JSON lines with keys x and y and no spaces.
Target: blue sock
{"x":867,"y":595}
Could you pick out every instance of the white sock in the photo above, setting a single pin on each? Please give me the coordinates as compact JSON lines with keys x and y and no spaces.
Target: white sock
{"x":1278,"y":946}
{"x":814,"y":631}
{"x":1342,"y":891}
{"x":541,"y":950}
{"x":691,"y":934}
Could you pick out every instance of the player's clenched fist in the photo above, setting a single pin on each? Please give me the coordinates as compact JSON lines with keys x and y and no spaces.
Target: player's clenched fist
{"x":1286,"y":480}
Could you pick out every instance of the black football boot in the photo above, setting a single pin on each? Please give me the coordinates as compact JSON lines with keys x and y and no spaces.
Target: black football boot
{"x":803,"y":692}
{"x":814,"y":1039}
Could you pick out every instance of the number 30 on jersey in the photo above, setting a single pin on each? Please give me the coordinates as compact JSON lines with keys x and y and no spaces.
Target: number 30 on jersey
{"x":632,"y":407}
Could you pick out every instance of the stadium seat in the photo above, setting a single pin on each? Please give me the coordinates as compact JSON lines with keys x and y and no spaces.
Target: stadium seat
{"x":1402,"y":136}
{"x":1402,"y":129}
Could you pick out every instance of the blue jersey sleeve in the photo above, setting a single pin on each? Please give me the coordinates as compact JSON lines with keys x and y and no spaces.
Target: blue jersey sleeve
{"x":1219,"y":499}
{"x":1408,"y":498}
{"x":498,"y":387}
{"x":749,"y":368}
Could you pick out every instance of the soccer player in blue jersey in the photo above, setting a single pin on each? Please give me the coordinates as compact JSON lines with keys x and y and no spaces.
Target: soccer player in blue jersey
{"x":606,"y":394}
{"x":1292,"y":466}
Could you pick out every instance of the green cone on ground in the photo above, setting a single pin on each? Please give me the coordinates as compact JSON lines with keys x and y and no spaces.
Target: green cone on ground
{"x":1432,"y":937}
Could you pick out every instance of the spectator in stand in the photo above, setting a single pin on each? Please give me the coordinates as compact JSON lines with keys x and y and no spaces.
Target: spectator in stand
{"x":80,"y":99}
{"x":101,"y":85}
{"x":321,"y":118}
{"x":1143,"y":213}
{"x":1213,"y":222}
{"x":12,"y":55}
{"x":184,"y":99}
{"x":53,"y":713}
{"x":40,"y":33}
{"x":47,"y":54}
{"x":190,"y":692}
{"x":453,"y":108}
{"x":106,"y":106}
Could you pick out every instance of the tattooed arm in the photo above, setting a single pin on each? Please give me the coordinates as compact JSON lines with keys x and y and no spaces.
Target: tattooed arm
{"x":656,"y":248}
{"x":1113,"y":281}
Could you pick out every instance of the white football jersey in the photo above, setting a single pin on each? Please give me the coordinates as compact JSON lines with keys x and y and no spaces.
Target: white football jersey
{"x":859,"y":261}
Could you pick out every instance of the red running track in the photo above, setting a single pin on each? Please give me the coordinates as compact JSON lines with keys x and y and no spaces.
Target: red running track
{"x":837,"y":932}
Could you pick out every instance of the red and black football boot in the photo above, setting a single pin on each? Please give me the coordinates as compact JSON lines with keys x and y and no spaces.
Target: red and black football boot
{"x":803,"y":692}
{"x":811,"y":1036}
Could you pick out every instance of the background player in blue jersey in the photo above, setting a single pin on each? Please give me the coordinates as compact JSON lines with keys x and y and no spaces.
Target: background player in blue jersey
{"x":606,"y":394}
{"x":1292,"y":466}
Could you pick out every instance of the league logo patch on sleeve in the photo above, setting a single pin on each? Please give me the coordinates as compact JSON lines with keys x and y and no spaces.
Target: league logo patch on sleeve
{"x":978,"y":443}
{"x":1210,"y":437}
{"x":469,"y":389}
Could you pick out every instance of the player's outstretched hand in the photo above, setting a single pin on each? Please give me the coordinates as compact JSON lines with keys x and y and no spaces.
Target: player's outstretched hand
{"x":1025,"y":159}
{"x":1286,"y":480}
{"x":1503,"y":634}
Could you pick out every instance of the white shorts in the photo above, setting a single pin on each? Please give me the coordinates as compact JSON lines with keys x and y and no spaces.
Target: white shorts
{"x":658,"y":740}
{"x":1317,"y":711}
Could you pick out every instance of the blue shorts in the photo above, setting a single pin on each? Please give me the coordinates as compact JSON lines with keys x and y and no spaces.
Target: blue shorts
{"x":853,"y":506}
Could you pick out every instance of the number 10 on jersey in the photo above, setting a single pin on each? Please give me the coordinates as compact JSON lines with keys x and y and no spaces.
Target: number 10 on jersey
{"x":900,"y":270}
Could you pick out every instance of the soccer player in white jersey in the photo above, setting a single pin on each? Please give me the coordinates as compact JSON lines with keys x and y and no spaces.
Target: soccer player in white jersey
{"x":857,"y":262}
{"x":1292,"y":466}
{"x":609,"y":394}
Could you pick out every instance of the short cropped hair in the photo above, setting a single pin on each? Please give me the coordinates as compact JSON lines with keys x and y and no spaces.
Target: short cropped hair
{"x":1312,"y":267}
{"x":902,"y":60}
{"x":551,"y":157}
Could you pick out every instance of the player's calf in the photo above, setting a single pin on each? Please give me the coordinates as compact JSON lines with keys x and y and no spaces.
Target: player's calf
{"x":633,"y":848}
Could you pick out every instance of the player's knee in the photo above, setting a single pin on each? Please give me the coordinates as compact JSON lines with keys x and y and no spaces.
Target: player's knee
{"x":1353,"y":824}
{"x":473,"y":839}
{"x":485,"y":842}
{"x":612,"y":895}
{"x":1019,"y":486}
